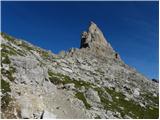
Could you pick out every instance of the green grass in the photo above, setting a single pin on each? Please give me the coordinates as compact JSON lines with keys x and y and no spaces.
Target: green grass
{"x":57,"y":78}
{"x":129,"y":106}
{"x":104,"y":100}
{"x":8,"y":50}
{"x":6,"y":98}
{"x":7,"y":105}
{"x":8,"y":73}
{"x":5,"y":86}
{"x":45,"y":54}
{"x":26,"y":46}
{"x":81,"y":97}
{"x":7,"y":37}
{"x":48,"y":55}
{"x":151,"y":113}
{"x":6,"y":60}
{"x":151,"y":99}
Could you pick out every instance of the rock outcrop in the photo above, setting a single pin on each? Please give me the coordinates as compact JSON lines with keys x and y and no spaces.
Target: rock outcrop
{"x":90,"y":82}
{"x":96,"y":42}
{"x":93,"y":38}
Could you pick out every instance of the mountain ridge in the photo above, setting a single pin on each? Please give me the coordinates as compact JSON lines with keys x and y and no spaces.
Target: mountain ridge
{"x":90,"y":82}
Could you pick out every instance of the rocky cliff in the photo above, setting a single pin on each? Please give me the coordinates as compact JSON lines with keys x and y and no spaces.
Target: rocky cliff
{"x":90,"y":82}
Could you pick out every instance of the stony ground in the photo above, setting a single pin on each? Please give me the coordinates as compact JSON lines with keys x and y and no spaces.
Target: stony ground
{"x":91,"y":82}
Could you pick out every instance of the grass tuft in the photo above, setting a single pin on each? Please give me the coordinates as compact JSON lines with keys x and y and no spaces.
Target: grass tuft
{"x":81,"y":97}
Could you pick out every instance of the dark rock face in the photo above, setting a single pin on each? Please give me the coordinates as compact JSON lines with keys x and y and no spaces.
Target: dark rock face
{"x":155,"y":80}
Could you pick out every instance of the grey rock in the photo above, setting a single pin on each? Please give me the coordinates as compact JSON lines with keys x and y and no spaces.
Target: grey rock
{"x":136,"y":92}
{"x":92,"y":95}
{"x":48,"y":115}
{"x":127,"y":99}
{"x":82,"y":89}
{"x":141,"y":104}
{"x":127,"y":117}
{"x":110,"y":114}
{"x":62,"y":54}
{"x":70,"y":86}
{"x":67,"y":69}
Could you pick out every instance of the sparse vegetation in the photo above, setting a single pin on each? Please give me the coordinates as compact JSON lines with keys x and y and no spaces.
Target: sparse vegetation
{"x":8,"y":73}
{"x":100,"y":71}
{"x":7,"y":37}
{"x":6,"y":60}
{"x":45,"y":54}
{"x":130,"y":107}
{"x":151,"y":99}
{"x":57,"y":78}
{"x":26,"y":46}
{"x":5,"y":86}
{"x":6,"y":98}
{"x":81,"y":97}
{"x":8,"y":107}
{"x":97,"y":117}
{"x":8,"y":50}
{"x":63,"y":79}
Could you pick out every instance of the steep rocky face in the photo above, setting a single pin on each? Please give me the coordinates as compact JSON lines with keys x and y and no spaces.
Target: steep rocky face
{"x":96,"y":42}
{"x":90,"y":82}
{"x":93,"y":38}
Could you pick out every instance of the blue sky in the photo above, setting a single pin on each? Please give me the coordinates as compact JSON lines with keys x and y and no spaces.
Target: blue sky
{"x":130,"y":27}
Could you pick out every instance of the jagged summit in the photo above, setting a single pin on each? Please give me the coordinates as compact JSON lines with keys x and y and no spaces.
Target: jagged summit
{"x":95,"y":41}
{"x":93,"y":38}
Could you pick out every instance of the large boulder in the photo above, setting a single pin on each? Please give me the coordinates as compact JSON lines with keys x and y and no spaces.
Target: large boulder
{"x":136,"y":92}
{"x":92,"y":96}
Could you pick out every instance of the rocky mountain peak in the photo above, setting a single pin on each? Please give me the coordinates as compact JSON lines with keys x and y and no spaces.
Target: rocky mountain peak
{"x":94,"y":40}
{"x":92,"y":27}
{"x":86,"y":83}
{"x":93,"y":37}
